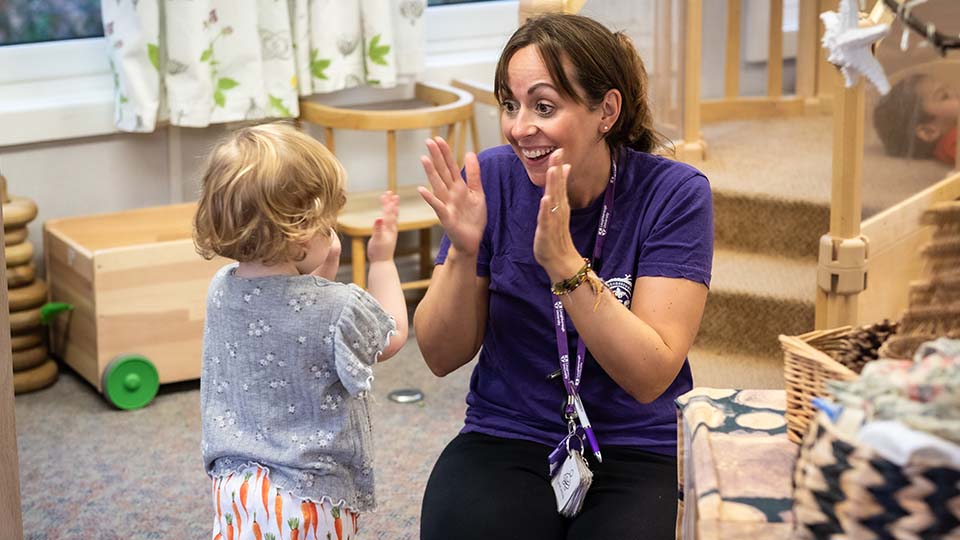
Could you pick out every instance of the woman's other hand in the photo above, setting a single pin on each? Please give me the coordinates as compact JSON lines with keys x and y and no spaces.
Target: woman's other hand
{"x":460,"y":207}
{"x":383,"y":242}
{"x":552,"y":244}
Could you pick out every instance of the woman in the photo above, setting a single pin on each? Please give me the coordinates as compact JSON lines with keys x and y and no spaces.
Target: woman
{"x":576,"y":181}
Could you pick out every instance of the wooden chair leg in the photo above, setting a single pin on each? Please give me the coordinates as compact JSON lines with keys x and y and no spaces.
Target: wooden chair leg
{"x":358,"y":261}
{"x":426,"y":260}
{"x":474,"y":134}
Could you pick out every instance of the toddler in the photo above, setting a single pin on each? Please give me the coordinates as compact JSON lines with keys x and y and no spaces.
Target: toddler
{"x":918,"y":119}
{"x":288,"y":352}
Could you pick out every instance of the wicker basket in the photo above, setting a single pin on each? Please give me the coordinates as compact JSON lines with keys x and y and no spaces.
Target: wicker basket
{"x":807,"y":366}
{"x":812,"y":359}
{"x":844,"y":489}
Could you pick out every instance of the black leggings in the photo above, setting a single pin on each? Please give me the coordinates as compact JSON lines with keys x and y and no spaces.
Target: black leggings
{"x":487,"y":488}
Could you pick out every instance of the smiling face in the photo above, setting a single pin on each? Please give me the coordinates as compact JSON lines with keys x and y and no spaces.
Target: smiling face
{"x":537,"y":120}
{"x":941,"y":105}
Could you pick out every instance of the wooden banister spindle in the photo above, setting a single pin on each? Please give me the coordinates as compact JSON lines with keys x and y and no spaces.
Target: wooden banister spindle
{"x":329,"y":140}
{"x":775,"y":50}
{"x":392,"y":160}
{"x":731,"y":78}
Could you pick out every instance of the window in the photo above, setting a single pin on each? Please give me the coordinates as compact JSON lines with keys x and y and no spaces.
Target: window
{"x":448,"y":2}
{"x":64,"y":89}
{"x":31,"y":21}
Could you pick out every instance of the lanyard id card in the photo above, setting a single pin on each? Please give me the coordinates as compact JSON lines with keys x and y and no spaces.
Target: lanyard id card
{"x":570,"y":475}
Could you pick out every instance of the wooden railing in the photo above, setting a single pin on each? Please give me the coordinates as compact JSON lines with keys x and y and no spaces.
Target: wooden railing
{"x":811,"y":90}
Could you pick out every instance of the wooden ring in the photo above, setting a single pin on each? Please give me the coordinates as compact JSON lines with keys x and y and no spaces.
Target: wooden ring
{"x":30,"y":296}
{"x":15,"y":235}
{"x":26,"y":341}
{"x":29,"y":358}
{"x":19,"y":211}
{"x":39,"y":377}
{"x":18,"y":254}
{"x":18,"y":276}
{"x":25,"y":321}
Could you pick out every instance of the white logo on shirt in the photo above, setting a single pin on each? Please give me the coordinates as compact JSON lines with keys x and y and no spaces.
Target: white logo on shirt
{"x":622,"y":288}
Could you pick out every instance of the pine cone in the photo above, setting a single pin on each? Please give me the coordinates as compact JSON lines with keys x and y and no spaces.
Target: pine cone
{"x":863,"y":344}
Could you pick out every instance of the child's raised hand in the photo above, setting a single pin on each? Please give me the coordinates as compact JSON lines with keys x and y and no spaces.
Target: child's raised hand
{"x":383,"y":242}
{"x":328,"y":269}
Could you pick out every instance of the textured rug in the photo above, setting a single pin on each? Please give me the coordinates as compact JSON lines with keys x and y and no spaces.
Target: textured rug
{"x":88,"y":471}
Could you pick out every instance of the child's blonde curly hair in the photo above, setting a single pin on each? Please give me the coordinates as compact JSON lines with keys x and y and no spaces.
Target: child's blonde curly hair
{"x":266,"y":190}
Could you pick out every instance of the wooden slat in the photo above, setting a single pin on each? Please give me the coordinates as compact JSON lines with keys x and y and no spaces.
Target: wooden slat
{"x":807,"y":49}
{"x":10,"y":516}
{"x":825,"y":86}
{"x":358,"y":262}
{"x":330,"y":140}
{"x":896,"y":237}
{"x":418,"y":284}
{"x":392,"y":160}
{"x":693,"y":54}
{"x":750,"y":108}
{"x":425,"y":249}
{"x":474,"y":134}
{"x":775,"y":50}
{"x":731,"y":78}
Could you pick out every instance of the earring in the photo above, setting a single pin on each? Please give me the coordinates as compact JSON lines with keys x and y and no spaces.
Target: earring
{"x":606,"y":128}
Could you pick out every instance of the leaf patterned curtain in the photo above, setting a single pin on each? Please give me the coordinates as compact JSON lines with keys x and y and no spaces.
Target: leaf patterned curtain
{"x":200,"y":62}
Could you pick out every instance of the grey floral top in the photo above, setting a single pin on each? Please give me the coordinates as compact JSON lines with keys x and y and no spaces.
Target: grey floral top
{"x":287,"y":365}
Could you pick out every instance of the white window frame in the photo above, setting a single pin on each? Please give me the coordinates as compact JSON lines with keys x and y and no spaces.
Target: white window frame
{"x":64,"y":89}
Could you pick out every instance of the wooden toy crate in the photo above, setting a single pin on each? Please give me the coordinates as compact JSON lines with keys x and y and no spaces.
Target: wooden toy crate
{"x":138,"y":289}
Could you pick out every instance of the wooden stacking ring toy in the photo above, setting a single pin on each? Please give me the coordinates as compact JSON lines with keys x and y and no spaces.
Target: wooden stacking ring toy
{"x":39,"y":377}
{"x":15,"y":235}
{"x":25,"y":321}
{"x":29,"y":358}
{"x":18,"y":254}
{"x":18,"y":212}
{"x":27,"y":297}
{"x":18,"y":276}
{"x":25,"y":341}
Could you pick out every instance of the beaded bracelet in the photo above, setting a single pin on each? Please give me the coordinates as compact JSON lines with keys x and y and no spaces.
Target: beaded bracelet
{"x":567,"y":286}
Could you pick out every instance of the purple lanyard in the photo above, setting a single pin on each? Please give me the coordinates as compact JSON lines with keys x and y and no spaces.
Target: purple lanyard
{"x":573,"y":384}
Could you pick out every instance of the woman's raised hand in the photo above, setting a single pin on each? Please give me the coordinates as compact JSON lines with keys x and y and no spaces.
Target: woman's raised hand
{"x":460,"y":207}
{"x":552,"y":244}
{"x":383,"y":241}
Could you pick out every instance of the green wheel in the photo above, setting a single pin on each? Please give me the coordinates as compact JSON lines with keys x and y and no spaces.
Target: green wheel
{"x":130,"y":381}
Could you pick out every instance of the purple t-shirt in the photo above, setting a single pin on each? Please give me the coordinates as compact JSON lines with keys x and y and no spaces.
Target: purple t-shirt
{"x":662,"y":225}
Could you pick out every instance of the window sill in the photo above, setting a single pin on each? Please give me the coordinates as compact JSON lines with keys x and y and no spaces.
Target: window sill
{"x":77,"y":100}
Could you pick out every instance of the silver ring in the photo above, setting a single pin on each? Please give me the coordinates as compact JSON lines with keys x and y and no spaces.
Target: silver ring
{"x":554,"y":209}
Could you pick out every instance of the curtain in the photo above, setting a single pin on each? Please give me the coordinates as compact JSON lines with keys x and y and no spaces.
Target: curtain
{"x":200,"y":62}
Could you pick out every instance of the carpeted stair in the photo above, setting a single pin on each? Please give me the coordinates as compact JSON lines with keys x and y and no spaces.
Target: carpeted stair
{"x":771,"y":182}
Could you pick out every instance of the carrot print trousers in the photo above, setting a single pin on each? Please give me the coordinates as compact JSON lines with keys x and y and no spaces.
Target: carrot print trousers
{"x":247,"y":507}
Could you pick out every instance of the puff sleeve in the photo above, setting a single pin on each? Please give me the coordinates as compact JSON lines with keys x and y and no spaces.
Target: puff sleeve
{"x":363,"y":331}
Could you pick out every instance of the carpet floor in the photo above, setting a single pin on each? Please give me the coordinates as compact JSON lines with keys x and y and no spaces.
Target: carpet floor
{"x":91,"y":472}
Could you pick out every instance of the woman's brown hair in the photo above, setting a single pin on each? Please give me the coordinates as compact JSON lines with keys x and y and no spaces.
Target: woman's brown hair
{"x":266,"y":190}
{"x":601,"y":60}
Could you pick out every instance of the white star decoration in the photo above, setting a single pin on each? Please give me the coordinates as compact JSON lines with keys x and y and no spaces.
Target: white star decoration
{"x":850,"y":45}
